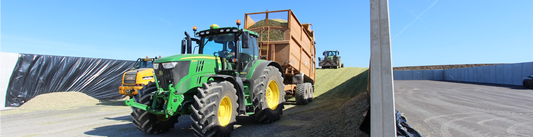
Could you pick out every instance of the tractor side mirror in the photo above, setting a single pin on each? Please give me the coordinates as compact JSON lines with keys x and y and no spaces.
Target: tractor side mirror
{"x":245,"y":40}
{"x":319,"y":59}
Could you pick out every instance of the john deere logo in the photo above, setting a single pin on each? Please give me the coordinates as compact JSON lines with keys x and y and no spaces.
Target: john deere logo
{"x":160,"y":73}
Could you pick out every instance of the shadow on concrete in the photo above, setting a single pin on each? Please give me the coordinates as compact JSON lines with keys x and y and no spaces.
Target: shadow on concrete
{"x":182,"y":129}
{"x":489,"y":84}
{"x":120,"y":102}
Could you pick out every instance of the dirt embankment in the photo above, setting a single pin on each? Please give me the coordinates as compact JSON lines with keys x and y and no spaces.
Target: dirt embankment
{"x":441,"y":66}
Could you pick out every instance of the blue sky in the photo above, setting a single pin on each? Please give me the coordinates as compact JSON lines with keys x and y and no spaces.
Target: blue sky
{"x":423,"y":32}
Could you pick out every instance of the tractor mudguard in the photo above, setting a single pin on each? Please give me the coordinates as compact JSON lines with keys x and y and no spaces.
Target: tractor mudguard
{"x":236,"y":81}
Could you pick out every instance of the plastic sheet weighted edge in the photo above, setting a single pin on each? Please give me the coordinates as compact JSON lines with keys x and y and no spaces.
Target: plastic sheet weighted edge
{"x":40,"y":74}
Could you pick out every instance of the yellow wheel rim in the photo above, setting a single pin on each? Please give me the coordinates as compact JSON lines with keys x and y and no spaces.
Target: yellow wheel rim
{"x":272,"y":95}
{"x":224,"y":111}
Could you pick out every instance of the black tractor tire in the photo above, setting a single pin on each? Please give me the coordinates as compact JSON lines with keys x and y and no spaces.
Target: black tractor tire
{"x":311,"y":92}
{"x":269,"y":80}
{"x":149,"y":122}
{"x":524,"y":83}
{"x":302,"y":93}
{"x":208,"y":103}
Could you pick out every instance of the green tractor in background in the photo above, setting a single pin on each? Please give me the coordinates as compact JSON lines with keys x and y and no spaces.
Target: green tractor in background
{"x":225,"y":79}
{"x":332,"y":59}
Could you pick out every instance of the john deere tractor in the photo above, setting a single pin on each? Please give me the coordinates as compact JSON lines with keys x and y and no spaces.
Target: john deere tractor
{"x":331,"y":60}
{"x":135,"y":79}
{"x":225,"y":79}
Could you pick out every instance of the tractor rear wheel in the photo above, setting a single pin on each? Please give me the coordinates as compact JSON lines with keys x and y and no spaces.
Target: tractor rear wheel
{"x":524,"y":83}
{"x":148,"y":122}
{"x":268,"y":96}
{"x":214,"y":109}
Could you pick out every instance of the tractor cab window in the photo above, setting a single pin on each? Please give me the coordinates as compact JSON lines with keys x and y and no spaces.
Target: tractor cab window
{"x":332,"y":53}
{"x":222,"y":45}
{"x":140,"y":63}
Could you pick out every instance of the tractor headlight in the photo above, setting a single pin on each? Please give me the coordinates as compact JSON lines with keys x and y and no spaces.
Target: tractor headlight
{"x":234,"y":30}
{"x":156,"y":66}
{"x":221,"y":30}
{"x":227,"y":30}
{"x":169,"y":65}
{"x":202,"y":33}
{"x":148,"y":77}
{"x":207,"y":32}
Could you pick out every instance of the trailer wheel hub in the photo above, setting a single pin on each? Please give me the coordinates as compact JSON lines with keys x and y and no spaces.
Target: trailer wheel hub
{"x":224,"y":111}
{"x":272,"y":95}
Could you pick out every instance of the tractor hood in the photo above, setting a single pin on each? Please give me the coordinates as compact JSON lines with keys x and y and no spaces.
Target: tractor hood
{"x":185,"y":57}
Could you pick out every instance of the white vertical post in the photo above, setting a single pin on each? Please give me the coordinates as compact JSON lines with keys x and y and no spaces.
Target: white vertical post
{"x":382,"y":111}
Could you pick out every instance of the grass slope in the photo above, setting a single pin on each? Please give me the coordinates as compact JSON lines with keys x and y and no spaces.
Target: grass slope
{"x":338,"y":105}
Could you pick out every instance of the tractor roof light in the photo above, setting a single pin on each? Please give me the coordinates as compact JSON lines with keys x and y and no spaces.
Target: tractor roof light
{"x":214,"y":26}
{"x":194,"y":28}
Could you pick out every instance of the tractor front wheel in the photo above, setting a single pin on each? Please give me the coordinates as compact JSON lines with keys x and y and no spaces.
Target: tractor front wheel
{"x":214,"y":109}
{"x":268,"y":96}
{"x":148,"y":122}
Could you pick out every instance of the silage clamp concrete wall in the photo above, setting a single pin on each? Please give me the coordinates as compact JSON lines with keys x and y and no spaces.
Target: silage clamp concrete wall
{"x":508,"y":74}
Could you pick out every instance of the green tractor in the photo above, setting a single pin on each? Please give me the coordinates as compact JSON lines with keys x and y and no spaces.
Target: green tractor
{"x":225,"y":79}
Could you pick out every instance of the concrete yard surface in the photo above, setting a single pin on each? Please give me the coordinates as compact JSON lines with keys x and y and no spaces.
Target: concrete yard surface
{"x":438,"y":108}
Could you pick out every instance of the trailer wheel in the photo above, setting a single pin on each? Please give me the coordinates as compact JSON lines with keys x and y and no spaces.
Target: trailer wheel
{"x":268,"y":96}
{"x":302,"y":93}
{"x":148,"y":122}
{"x":311,"y":92}
{"x":214,"y":109}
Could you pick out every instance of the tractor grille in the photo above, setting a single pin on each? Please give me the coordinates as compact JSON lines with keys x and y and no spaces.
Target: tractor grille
{"x":127,"y":78}
{"x":165,"y":77}
{"x":200,"y":66}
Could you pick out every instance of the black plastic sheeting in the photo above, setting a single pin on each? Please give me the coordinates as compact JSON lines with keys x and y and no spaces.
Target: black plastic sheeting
{"x":402,"y":128}
{"x":39,"y":74}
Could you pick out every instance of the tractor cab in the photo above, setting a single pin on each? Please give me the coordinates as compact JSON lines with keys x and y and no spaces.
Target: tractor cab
{"x":331,"y":53}
{"x":144,"y":63}
{"x":235,"y":48}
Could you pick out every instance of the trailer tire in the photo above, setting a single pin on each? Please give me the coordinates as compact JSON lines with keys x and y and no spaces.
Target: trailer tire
{"x":302,"y":93}
{"x":310,"y":93}
{"x":148,"y":122}
{"x":268,"y":96}
{"x":214,"y":109}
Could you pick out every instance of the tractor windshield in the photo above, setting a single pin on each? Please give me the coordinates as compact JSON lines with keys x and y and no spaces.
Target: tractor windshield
{"x":140,"y":63}
{"x":332,"y":53}
{"x":222,"y":45}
